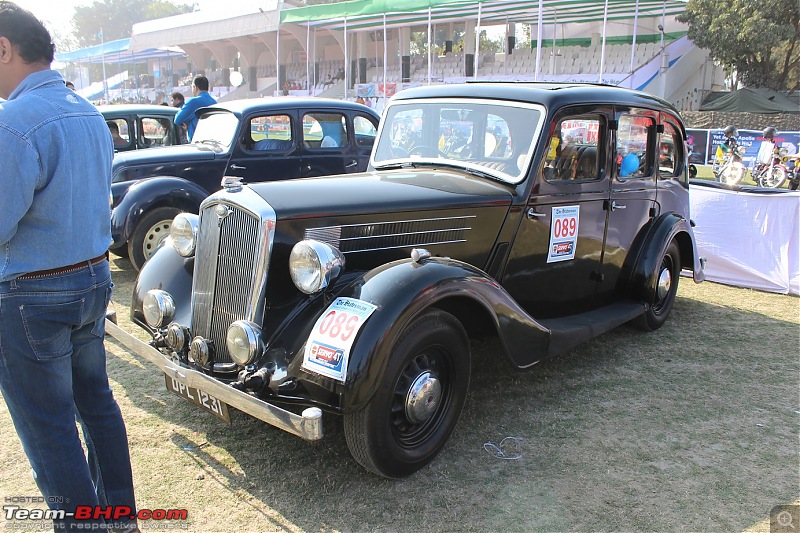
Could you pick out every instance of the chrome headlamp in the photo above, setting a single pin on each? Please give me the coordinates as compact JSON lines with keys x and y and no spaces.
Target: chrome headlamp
{"x":158,"y":308}
{"x":184,"y":233}
{"x":244,"y":342}
{"x":314,"y":265}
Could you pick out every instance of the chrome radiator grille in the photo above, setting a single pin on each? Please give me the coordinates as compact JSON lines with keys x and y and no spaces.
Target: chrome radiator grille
{"x":229,"y":272}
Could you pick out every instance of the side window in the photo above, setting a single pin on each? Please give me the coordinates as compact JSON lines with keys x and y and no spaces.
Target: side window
{"x":498,"y":138}
{"x":572,"y":149}
{"x":270,"y":132}
{"x":365,"y":131}
{"x":324,"y":130}
{"x":155,"y":131}
{"x":669,"y":151}
{"x":120,"y":132}
{"x":632,"y":146}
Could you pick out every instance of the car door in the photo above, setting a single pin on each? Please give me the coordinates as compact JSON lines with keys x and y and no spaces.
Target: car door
{"x":365,"y":129}
{"x":328,"y":147}
{"x":267,"y":148}
{"x":633,"y":191}
{"x":556,"y":259}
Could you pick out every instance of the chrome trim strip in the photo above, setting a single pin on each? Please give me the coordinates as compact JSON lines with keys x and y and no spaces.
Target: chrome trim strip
{"x":402,"y":246}
{"x":419,"y":220}
{"x":383,"y":235}
{"x":308,"y":425}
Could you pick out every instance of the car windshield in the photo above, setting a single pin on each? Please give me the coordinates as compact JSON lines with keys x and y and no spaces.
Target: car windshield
{"x":217,"y":129}
{"x":493,"y":138}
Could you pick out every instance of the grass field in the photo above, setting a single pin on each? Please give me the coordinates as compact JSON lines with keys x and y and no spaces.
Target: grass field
{"x":693,"y":427}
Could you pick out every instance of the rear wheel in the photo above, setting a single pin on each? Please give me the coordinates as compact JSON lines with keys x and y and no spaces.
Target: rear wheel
{"x":667,"y":276}
{"x":419,"y":399}
{"x":773,"y":179}
{"x":153,"y":228}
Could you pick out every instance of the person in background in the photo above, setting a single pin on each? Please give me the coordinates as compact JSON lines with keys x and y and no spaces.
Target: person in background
{"x":113,"y":127}
{"x":70,"y":85}
{"x":55,"y":280}
{"x":177,"y":101}
{"x":187,"y":114}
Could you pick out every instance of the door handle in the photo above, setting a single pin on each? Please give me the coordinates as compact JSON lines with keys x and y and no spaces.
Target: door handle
{"x":615,"y":205}
{"x":237,"y":167}
{"x":533,"y":214}
{"x":352,"y":164}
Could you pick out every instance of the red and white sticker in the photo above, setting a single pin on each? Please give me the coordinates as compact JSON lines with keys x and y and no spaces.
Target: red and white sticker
{"x":563,"y":233}
{"x":328,"y":347}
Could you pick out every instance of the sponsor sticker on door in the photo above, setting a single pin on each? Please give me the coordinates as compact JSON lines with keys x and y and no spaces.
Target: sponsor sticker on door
{"x":328,"y":347}
{"x":563,"y":233}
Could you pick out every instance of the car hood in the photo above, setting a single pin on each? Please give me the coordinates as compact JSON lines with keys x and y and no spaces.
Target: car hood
{"x":167,"y":154}
{"x":381,"y":192}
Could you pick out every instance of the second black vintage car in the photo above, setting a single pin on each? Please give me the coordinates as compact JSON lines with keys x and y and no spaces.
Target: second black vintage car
{"x":544,"y":215}
{"x":263,"y":139}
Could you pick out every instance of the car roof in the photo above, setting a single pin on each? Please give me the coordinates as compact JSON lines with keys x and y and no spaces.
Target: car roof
{"x":551,"y":95}
{"x":130,"y":109}
{"x":245,"y":106}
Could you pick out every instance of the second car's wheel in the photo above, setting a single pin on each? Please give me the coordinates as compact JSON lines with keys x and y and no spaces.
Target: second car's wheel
{"x":660,"y":305}
{"x":152,"y":229}
{"x":418,"y":401}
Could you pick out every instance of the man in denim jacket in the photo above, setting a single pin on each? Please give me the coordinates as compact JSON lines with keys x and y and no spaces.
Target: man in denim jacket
{"x":55,"y":281}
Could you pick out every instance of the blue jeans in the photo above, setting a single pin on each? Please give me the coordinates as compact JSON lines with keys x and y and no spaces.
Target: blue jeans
{"x":52,"y":368}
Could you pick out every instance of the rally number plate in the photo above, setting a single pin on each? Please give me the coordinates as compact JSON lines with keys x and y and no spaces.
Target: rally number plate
{"x":200,"y":398}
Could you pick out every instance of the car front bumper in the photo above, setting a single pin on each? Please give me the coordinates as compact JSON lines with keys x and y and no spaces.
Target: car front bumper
{"x":307,"y":425}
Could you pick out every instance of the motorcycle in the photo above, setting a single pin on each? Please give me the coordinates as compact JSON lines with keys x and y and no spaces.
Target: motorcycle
{"x":794,"y":172}
{"x":772,"y":174}
{"x":728,"y":167}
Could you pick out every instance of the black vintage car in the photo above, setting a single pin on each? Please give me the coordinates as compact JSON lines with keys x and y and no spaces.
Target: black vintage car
{"x":553,"y":219}
{"x":263,"y":139}
{"x":142,"y":125}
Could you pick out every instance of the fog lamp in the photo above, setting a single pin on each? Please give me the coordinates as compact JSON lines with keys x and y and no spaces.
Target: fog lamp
{"x":158,"y":308}
{"x":244,"y":342}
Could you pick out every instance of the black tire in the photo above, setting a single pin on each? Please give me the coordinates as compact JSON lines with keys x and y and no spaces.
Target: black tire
{"x":122,"y":251}
{"x":773,"y":179}
{"x":152,"y":229}
{"x":389,"y":436}
{"x":666,"y":280}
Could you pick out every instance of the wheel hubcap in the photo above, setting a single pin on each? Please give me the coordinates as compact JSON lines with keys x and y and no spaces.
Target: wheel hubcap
{"x":664,"y":283}
{"x":153,"y":238}
{"x":423,"y":398}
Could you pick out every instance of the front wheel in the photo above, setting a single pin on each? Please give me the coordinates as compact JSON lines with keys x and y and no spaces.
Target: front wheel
{"x":418,"y":401}
{"x":773,"y":179}
{"x":152,"y":229}
{"x":667,"y":276}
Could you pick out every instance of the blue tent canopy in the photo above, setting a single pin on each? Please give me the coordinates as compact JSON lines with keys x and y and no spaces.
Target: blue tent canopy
{"x":115,"y":52}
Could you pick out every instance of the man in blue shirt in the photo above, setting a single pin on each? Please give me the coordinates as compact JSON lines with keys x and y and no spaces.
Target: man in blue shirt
{"x":201,"y":99}
{"x":55,"y":281}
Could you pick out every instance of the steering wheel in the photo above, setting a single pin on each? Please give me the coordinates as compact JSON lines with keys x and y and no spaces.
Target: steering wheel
{"x":423,"y":150}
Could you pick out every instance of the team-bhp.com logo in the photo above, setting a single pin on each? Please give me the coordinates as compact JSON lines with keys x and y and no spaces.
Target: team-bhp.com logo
{"x":96,"y":512}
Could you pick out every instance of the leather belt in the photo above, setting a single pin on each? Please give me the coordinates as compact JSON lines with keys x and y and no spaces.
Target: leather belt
{"x":64,"y":269}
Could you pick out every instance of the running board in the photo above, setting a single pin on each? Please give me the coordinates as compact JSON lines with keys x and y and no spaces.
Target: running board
{"x":566,"y":333}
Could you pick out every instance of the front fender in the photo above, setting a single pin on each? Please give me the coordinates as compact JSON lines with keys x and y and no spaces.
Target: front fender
{"x":147,"y":194}
{"x":401,"y":291}
{"x":652,"y":247}
{"x":169,"y":271}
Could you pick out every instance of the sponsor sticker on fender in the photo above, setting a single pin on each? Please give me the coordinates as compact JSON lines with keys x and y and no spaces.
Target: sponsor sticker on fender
{"x":563,"y":233}
{"x":328,"y":346}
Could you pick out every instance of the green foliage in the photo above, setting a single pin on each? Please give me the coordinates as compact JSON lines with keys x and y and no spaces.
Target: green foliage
{"x":758,"y":41}
{"x":116,"y":18}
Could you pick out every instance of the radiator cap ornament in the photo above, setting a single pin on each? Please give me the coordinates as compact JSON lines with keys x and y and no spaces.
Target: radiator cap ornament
{"x":232,"y":183}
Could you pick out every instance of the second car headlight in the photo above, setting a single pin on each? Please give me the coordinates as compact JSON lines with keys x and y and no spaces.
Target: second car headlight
{"x":184,"y":233}
{"x":314,"y":265}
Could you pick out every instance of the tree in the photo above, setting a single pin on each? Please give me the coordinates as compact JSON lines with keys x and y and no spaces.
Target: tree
{"x":757,"y":42}
{"x":115,"y":18}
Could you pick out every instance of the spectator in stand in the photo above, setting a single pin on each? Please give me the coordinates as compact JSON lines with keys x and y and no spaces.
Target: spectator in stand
{"x":339,"y":75}
{"x":187,"y":115}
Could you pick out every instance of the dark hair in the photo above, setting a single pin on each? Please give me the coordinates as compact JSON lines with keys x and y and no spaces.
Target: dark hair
{"x":201,"y":82}
{"x":178,"y":96}
{"x":26,"y":33}
{"x":113,"y":126}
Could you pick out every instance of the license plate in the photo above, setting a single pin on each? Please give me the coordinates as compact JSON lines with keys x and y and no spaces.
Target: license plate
{"x":198,"y":397}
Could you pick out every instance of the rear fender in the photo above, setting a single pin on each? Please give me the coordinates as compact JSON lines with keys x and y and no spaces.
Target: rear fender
{"x":147,"y":194}
{"x":653,"y":244}
{"x":404,"y":289}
